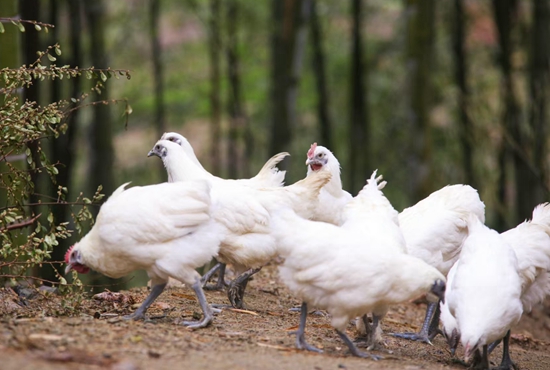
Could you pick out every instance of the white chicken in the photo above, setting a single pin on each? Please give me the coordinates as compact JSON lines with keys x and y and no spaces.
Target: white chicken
{"x":244,"y":212}
{"x":485,"y":296}
{"x":349,"y":271}
{"x":434,"y":228}
{"x":269,"y":175}
{"x":530,"y":242}
{"x":332,"y":198}
{"x":167,"y":233}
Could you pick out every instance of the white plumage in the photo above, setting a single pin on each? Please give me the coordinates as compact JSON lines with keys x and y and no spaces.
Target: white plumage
{"x":350,"y":272}
{"x":530,"y":242}
{"x":163,"y":229}
{"x":244,"y":212}
{"x":485,"y":295}
{"x":269,"y":175}
{"x":436,"y":227}
{"x":332,"y":198}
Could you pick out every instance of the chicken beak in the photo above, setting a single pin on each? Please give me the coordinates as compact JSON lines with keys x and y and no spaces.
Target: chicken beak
{"x":68,"y":268}
{"x":453,"y":350}
{"x":151,"y":153}
{"x":308,"y":161}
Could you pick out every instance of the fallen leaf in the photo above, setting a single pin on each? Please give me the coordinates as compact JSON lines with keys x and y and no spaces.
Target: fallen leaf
{"x":46,"y":337}
{"x":280,"y":348}
{"x":243,"y":311}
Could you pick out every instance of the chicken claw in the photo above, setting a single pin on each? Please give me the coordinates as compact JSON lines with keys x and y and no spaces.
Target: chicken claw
{"x":206,"y":310}
{"x":235,"y":293}
{"x":139,"y":314}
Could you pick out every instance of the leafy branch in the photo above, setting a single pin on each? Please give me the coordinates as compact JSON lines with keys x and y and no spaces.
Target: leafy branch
{"x":19,"y":24}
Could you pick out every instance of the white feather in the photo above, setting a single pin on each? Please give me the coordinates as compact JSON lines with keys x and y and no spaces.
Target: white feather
{"x":269,"y":175}
{"x":164,"y":229}
{"x":485,"y":296}
{"x":245,"y":213}
{"x":436,"y":227}
{"x":349,"y":272}
{"x":332,"y":197}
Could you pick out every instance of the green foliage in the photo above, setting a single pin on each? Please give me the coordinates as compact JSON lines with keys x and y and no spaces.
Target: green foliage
{"x":27,"y":238}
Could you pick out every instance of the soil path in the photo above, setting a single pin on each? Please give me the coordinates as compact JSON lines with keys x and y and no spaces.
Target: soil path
{"x":34,"y":337}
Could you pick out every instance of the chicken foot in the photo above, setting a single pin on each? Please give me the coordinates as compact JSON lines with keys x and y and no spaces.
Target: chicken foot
{"x":236,"y":289}
{"x":220,"y":284}
{"x":353,"y":349}
{"x":139,"y":314}
{"x":506,"y":363}
{"x":429,"y":328}
{"x":481,"y":359}
{"x":300,"y":333}
{"x":206,"y":310}
{"x":370,"y":336}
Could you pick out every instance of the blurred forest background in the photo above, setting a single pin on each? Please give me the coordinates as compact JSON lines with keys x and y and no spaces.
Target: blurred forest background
{"x":429,"y":92}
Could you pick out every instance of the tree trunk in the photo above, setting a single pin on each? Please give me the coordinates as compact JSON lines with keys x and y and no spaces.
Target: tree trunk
{"x":318,"y":62}
{"x":102,"y":153}
{"x":504,"y":18}
{"x":49,"y":272}
{"x":30,"y":10}
{"x":359,"y":123}
{"x":419,"y":64}
{"x":236,"y":116}
{"x":62,"y":148}
{"x":215,"y":45}
{"x":9,"y":58}
{"x":289,"y":17}
{"x":538,"y":117}
{"x":158,"y":75}
{"x":461,"y":70}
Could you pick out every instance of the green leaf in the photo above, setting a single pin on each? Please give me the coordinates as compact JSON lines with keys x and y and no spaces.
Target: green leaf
{"x":50,"y":218}
{"x":103,"y":77}
{"x":21,"y":27}
{"x":37,"y":27}
{"x":51,"y":58}
{"x":2,"y":30}
{"x":58,"y":51}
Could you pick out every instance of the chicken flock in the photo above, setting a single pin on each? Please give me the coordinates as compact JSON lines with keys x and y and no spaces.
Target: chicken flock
{"x":353,"y":256}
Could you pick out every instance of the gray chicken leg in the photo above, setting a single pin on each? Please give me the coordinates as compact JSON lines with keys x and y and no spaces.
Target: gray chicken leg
{"x":353,"y":349}
{"x":236,"y":289}
{"x":300,"y":334}
{"x":206,"y":310}
{"x":140,"y":312}
{"x":506,"y":363}
{"x":369,"y":339}
{"x":429,"y":328}
{"x":220,"y":284}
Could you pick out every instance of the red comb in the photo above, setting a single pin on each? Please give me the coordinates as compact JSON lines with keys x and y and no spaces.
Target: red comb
{"x":311,"y":150}
{"x":68,"y":254}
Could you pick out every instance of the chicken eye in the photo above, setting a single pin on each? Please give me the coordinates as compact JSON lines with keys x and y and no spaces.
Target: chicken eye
{"x":320,"y":155}
{"x":172,"y":139}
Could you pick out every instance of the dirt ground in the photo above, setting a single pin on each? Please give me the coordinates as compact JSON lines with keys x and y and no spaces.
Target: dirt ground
{"x":34,"y":337}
